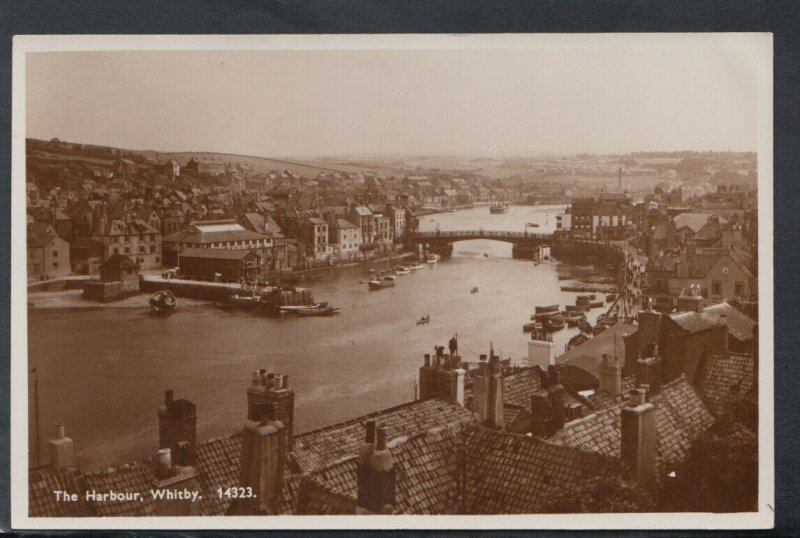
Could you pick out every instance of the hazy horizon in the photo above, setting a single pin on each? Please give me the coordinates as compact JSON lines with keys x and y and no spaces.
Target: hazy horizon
{"x":394,"y":103}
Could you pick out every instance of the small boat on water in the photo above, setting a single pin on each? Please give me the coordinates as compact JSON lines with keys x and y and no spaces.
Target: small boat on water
{"x":573,"y":308}
{"x":452,"y":210}
{"x":573,"y":321}
{"x":545,"y":309}
{"x":485,"y":254}
{"x":498,"y":208}
{"x":610,"y":297}
{"x":584,"y":326}
{"x":244,"y":301}
{"x":322,"y":311}
{"x":596,"y":304}
{"x":474,"y":289}
{"x":553,"y":323}
{"x":432,"y":259}
{"x":402,"y":270}
{"x":390,"y":277}
{"x":530,"y":327}
{"x":379,"y":284}
{"x":416,"y":267}
{"x":163,"y":301}
{"x":576,"y":340}
{"x":424,"y":320}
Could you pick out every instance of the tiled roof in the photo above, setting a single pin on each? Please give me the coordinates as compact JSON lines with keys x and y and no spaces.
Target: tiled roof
{"x":128,"y":478}
{"x":218,"y":467}
{"x":321,"y":500}
{"x":320,"y":448}
{"x":427,"y":472}
{"x":693,"y":321}
{"x":725,"y":380}
{"x":194,"y":236}
{"x":514,"y":474}
{"x":39,"y":234}
{"x":129,"y":227}
{"x":740,"y":325}
{"x":602,"y":399}
{"x":594,"y":347}
{"x":695,"y":221}
{"x":42,"y":502}
{"x":681,"y":416}
{"x":215,"y":253}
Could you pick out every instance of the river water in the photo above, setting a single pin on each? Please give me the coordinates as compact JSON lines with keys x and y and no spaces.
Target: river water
{"x":103,"y":371}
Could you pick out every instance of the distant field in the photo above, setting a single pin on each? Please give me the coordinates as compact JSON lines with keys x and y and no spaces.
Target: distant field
{"x":81,"y":158}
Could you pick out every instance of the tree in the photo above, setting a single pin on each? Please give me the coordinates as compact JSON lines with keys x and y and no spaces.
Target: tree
{"x":601,"y":495}
{"x":720,"y":474}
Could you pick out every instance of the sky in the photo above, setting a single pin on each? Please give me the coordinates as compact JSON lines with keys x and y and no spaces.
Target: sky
{"x":358,"y":102}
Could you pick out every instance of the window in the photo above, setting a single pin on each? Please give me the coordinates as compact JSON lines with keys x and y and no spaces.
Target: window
{"x":55,"y":265}
{"x":739,"y":289}
{"x":716,"y":288}
{"x":127,"y":250}
{"x":55,"y":254}
{"x":152,"y":248}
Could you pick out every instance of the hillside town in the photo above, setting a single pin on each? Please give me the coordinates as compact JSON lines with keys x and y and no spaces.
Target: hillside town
{"x":656,"y":409}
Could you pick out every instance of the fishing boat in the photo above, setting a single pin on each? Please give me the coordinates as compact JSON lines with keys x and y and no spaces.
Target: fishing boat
{"x":162,"y":301}
{"x":498,"y":208}
{"x":596,"y":304}
{"x":545,"y":309}
{"x":390,"y":277}
{"x":474,"y":289}
{"x":575,"y":341}
{"x":432,"y":259}
{"x":584,"y":326}
{"x":402,"y":270}
{"x":452,"y":210}
{"x":485,"y":254}
{"x":424,"y":320}
{"x":416,"y":267}
{"x":323,"y":311}
{"x":573,"y":308}
{"x":293,"y":309}
{"x":554,"y":323}
{"x":379,"y":284}
{"x":530,"y":327}
{"x":574,"y":320}
{"x":610,"y":297}
{"x":244,"y":301}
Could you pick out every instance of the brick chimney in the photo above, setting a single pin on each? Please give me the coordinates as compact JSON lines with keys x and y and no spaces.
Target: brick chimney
{"x":177,"y":422}
{"x":649,"y":334}
{"x":494,"y":394}
{"x":171,"y":480}
{"x":61,"y":450}
{"x":272,"y":388}
{"x":376,"y":478}
{"x":690,"y":299}
{"x":639,"y":439}
{"x":444,"y":378}
{"x":479,"y":389}
{"x":264,"y":449}
{"x":648,"y":372}
{"x":547,"y":404}
{"x":610,"y":375}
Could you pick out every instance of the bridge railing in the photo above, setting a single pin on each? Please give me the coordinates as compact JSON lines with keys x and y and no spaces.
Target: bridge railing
{"x":481,"y":233}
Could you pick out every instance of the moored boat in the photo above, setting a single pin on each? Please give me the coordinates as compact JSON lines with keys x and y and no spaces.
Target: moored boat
{"x":596,"y":304}
{"x":498,"y":208}
{"x":416,"y":267}
{"x":379,"y":284}
{"x":553,"y":323}
{"x":423,"y":320}
{"x":323,"y":311}
{"x":474,"y":289}
{"x":610,"y":297}
{"x":584,"y":326}
{"x":163,"y":301}
{"x":576,"y":340}
{"x":545,"y":309}
{"x":402,"y":270}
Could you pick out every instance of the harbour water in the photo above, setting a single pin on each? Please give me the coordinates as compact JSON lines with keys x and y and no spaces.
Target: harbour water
{"x":103,"y":371}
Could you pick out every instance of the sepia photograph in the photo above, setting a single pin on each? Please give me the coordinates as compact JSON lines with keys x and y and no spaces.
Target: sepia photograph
{"x":389,"y":277}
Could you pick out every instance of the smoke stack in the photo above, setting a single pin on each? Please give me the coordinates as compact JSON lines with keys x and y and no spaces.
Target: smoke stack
{"x":61,"y":450}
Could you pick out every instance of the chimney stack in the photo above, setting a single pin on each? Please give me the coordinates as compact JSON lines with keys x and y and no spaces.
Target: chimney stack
{"x":691,"y":299}
{"x":61,"y":450}
{"x":479,"y":390}
{"x":648,"y":372}
{"x":547,"y":404}
{"x":427,"y":379}
{"x":649,"y":334}
{"x":272,"y":389}
{"x":264,"y":449}
{"x":177,"y":422}
{"x":494,"y":390}
{"x":376,"y":478}
{"x":541,"y":350}
{"x":610,"y":376}
{"x":639,"y":439}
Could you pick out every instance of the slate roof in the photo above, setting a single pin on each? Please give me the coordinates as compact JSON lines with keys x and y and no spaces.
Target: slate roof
{"x":725,"y":380}
{"x":695,"y":221}
{"x":693,"y":322}
{"x":128,"y":227}
{"x":320,"y":448}
{"x":681,"y":416}
{"x":42,"y":482}
{"x":427,"y":472}
{"x":740,"y":325}
{"x":515,"y":474}
{"x":218,"y":464}
{"x":603,"y":399}
{"x":594,"y":348}
{"x":128,"y":478}
{"x":195,"y":236}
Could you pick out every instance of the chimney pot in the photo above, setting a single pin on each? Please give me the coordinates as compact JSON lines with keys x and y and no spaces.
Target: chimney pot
{"x":427,"y":360}
{"x":278,"y":382}
{"x":255,"y":378}
{"x":168,"y":395}
{"x":285,"y":383}
{"x":164,"y":461}
{"x":646,"y":389}
{"x":61,"y":431}
{"x":382,"y":435}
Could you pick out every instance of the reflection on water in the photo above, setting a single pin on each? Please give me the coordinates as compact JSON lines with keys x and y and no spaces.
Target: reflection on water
{"x":103,"y":371}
